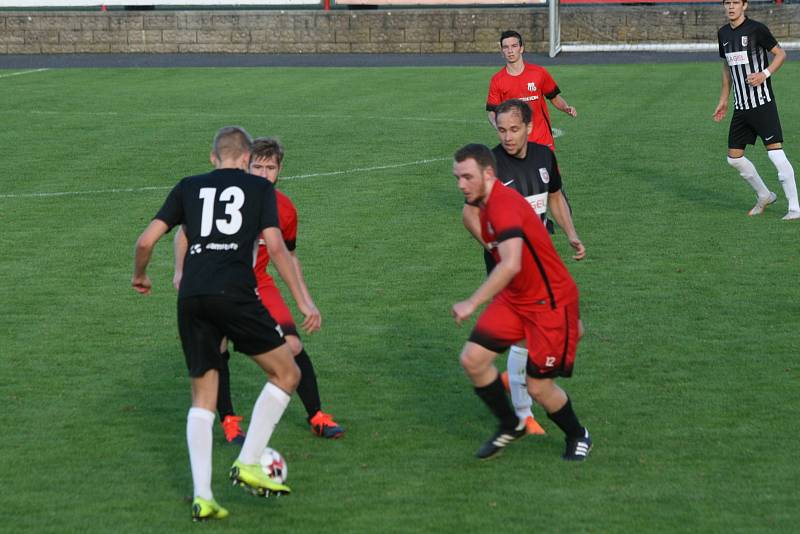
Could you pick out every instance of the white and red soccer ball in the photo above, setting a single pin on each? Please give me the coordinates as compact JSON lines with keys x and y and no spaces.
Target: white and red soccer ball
{"x":274,"y":465}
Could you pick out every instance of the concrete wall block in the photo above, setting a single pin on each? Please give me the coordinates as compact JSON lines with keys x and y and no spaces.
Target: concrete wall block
{"x":476,"y":47}
{"x":145,"y":36}
{"x":437,"y":48}
{"x":240,"y":36}
{"x":352,"y":36}
{"x":213,"y":48}
{"x":664,"y":15}
{"x":28,"y":48}
{"x":58,"y":23}
{"x":12,"y":36}
{"x":387,"y":36}
{"x":58,"y":48}
{"x":178,"y":36}
{"x":126,"y":22}
{"x":666,"y":33}
{"x":332,"y":20}
{"x":304,"y":22}
{"x":110,"y":37}
{"x":94,"y":22}
{"x":3,"y":49}
{"x":457,"y":34}
{"x":93,"y":48}
{"x":194,"y":20}
{"x":160,"y":22}
{"x":220,"y":22}
{"x":144,"y":48}
{"x":333,"y":48}
{"x":694,"y":32}
{"x":213,"y":36}
{"x":385,"y":48}
{"x":430,"y":21}
{"x":41,"y":36}
{"x":422,"y":35}
{"x":628,"y":34}
{"x":21,"y":23}
{"x":66,"y":37}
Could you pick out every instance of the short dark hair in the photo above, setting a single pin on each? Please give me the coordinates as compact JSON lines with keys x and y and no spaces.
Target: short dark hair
{"x":480,"y":153}
{"x":515,"y":105}
{"x":265,"y":148}
{"x":231,"y":142}
{"x":510,"y":33}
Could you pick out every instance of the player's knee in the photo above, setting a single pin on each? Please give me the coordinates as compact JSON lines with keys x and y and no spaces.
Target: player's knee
{"x":295,"y":345}
{"x":470,"y":362}
{"x":292,"y":375}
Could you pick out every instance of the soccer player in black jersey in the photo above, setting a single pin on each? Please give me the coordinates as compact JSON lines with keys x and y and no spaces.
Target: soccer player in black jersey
{"x":532,"y":170}
{"x":223,"y":214}
{"x":743,"y":46}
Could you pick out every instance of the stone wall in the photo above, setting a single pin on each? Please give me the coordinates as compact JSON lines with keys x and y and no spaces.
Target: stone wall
{"x":363,"y":31}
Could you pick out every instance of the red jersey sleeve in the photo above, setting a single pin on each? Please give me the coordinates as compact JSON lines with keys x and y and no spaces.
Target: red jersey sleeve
{"x":287,"y":214}
{"x":549,"y":88}
{"x":495,"y":96}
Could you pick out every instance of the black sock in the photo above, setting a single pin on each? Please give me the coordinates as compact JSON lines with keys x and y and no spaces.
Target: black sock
{"x":567,"y":421}
{"x":307,"y":389}
{"x":494,"y":396}
{"x":224,"y":403}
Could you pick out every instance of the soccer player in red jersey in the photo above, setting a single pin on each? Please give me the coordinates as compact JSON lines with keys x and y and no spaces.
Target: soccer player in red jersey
{"x":528,"y":82}
{"x":534,"y":301}
{"x":266,"y":158}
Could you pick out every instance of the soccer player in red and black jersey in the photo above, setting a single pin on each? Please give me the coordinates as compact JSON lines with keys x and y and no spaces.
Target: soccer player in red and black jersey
{"x":743,"y":46}
{"x":222,"y":214}
{"x":534,"y":301}
{"x":530,"y":83}
{"x":266,"y":160}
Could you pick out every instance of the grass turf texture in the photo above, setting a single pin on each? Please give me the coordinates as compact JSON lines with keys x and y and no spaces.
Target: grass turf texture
{"x":686,"y":376}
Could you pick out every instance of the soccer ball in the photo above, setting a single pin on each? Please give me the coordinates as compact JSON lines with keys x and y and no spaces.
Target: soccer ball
{"x":274,"y":465}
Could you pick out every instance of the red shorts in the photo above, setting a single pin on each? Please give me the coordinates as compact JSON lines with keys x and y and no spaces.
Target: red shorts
{"x":551,"y":335}
{"x":273,"y":301}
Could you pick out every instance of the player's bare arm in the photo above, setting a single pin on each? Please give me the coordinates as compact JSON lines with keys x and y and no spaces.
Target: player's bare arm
{"x":510,"y":264}
{"x":143,"y":251}
{"x":559,"y":209}
{"x":492,"y":118}
{"x":300,"y":278}
{"x":470,"y":215}
{"x":282,"y":260}
{"x":180,"y":244}
{"x":725,"y":93}
{"x":757,"y":78}
{"x":561,"y":105}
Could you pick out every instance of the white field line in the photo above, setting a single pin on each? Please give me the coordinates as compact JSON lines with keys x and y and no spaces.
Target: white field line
{"x":161,"y":188}
{"x":229,"y":116}
{"x":20,"y":73}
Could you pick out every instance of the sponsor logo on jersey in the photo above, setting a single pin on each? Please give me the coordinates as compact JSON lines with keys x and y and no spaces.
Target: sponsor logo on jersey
{"x":744,"y":40}
{"x":538,"y":203}
{"x":543,"y":174}
{"x":736,"y":58}
{"x":196,"y":249}
{"x":222,"y":246}
{"x":529,"y":98}
{"x":532,"y":87}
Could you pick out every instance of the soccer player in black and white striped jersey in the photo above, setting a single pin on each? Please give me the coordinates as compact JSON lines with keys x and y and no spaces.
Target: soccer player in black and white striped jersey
{"x":743,"y":45}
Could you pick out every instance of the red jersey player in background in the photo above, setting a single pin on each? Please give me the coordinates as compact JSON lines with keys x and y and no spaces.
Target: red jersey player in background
{"x":534,"y":301}
{"x":266,"y":159}
{"x":529,"y":83}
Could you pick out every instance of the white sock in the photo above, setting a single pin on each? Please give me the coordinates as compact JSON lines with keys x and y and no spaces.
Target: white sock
{"x":199,"y":437}
{"x":517,"y":381}
{"x":267,"y":411}
{"x":748,"y":171}
{"x":785,"y":176}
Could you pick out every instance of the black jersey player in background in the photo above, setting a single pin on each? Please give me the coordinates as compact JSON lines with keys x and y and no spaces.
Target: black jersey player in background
{"x":532,"y":170}
{"x":223,"y":214}
{"x":743,"y":46}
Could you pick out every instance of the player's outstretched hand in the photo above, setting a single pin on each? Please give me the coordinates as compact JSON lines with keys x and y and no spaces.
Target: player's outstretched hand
{"x":462,"y":310}
{"x":176,"y":280}
{"x":571,"y":111}
{"x":312,"y":320}
{"x":141,"y":284}
{"x":720,"y":112}
{"x":580,"y":250}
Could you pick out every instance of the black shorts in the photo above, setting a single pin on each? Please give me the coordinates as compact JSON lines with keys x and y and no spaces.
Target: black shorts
{"x":204,"y":320}
{"x":761,"y":122}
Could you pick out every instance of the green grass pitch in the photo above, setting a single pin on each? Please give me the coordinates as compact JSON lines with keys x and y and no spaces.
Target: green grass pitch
{"x":687,"y":376}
